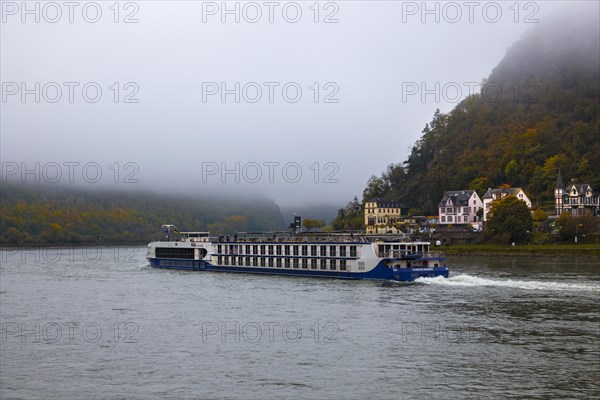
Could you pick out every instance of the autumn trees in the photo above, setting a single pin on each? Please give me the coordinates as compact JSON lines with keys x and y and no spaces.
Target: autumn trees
{"x":509,"y":219}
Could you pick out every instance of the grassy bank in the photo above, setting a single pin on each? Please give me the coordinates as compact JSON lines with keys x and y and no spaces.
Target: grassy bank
{"x":569,"y":250}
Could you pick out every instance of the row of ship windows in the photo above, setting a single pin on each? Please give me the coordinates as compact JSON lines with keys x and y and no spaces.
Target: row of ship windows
{"x":303,"y":263}
{"x":286,"y":250}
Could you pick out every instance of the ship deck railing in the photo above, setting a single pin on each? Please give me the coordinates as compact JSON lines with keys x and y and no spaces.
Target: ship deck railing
{"x":399,"y":254}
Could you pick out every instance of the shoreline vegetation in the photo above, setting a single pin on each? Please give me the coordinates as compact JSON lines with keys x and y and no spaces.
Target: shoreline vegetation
{"x":485,"y":250}
{"x":523,"y":250}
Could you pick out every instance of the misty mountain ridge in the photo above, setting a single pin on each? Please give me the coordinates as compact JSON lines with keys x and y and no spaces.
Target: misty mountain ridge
{"x":61,"y":214}
{"x":546,"y":117}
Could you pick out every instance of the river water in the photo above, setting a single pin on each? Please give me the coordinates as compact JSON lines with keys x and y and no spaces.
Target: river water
{"x":100,"y":323}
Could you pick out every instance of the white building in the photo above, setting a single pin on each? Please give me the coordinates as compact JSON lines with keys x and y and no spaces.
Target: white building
{"x":497,"y":194}
{"x":460,"y":208}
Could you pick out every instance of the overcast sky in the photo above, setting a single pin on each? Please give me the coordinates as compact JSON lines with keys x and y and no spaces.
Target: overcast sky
{"x":173,"y":128}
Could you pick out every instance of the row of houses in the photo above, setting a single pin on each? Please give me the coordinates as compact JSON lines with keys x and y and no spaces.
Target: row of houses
{"x":465,"y":207}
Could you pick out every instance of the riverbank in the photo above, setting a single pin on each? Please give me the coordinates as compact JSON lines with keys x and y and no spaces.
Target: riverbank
{"x":527,"y":250}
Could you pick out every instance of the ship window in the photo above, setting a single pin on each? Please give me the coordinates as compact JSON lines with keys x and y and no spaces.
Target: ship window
{"x":305,"y":263}
{"x":219,"y":249}
{"x":262,"y":262}
{"x":255,"y":249}
{"x":342,"y":251}
{"x":323,"y":250}
{"x":332,"y":265}
{"x":342,"y":265}
{"x":247,"y":249}
{"x":287,"y":263}
{"x":352,"y":251}
{"x":271,"y":250}
{"x":286,"y":250}
{"x":248,"y":261}
{"x":232,"y":260}
{"x":263,"y":249}
{"x":225,"y":260}
{"x":313,"y":250}
{"x":184,"y":253}
{"x":255,"y":261}
{"x":279,"y":263}
{"x":332,"y":251}
{"x":278,"y":250}
{"x":313,"y":263}
{"x":296,"y":250}
{"x":323,"y":263}
{"x":240,"y":260}
{"x":271,"y":262}
{"x":219,"y":260}
{"x":304,"y":250}
{"x":295,"y":263}
{"x":361,"y":265}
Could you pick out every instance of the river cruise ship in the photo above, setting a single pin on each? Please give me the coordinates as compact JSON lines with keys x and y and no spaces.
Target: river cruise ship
{"x":327,"y":255}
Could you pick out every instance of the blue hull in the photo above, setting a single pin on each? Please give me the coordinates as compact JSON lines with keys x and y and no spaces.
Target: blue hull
{"x":380,"y":272}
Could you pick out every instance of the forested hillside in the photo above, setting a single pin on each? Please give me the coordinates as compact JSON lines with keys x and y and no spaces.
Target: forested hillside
{"x":48,"y":214}
{"x":537,"y":112}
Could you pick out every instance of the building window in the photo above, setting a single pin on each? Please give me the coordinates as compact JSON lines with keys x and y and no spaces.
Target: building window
{"x":449,"y":218}
{"x":443,"y":219}
{"x":449,"y":209}
{"x":465,"y":210}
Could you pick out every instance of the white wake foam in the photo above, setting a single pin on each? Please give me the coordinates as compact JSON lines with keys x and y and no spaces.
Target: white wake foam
{"x":470,"y":280}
